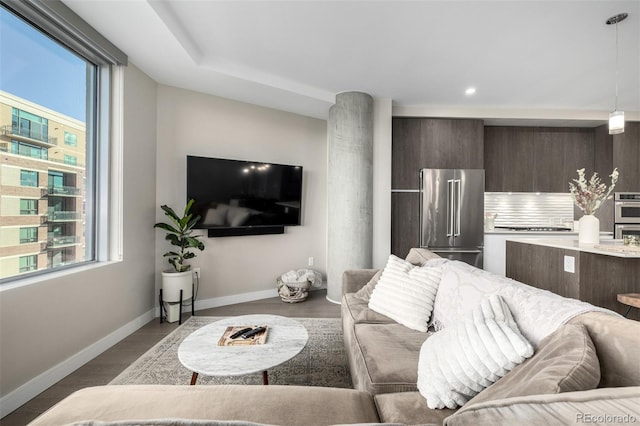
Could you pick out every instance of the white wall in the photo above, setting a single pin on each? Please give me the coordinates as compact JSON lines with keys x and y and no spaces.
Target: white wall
{"x":382,"y":123}
{"x":51,"y":327}
{"x":241,"y":268}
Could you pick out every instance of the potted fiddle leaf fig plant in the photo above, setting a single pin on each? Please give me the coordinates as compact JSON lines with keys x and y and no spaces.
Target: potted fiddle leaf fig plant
{"x":177,"y":283}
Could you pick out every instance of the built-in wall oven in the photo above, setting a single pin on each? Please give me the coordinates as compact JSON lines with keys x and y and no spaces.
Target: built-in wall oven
{"x":627,"y":214}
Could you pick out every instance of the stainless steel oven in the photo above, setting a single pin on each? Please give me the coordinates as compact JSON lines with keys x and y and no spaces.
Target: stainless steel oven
{"x":625,"y":229}
{"x":627,"y":214}
{"x":627,"y":207}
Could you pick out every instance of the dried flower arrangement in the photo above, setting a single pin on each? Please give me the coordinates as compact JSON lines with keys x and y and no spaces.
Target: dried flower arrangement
{"x":589,"y":195}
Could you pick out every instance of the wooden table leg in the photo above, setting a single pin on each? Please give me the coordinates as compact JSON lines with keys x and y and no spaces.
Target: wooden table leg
{"x":194,"y":378}
{"x":265,"y":378}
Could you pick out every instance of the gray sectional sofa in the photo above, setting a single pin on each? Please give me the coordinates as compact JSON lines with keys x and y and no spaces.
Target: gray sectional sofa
{"x":383,"y":357}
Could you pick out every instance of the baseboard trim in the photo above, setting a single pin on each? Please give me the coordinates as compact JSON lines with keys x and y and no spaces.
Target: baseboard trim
{"x":228,"y":300}
{"x":16,"y":398}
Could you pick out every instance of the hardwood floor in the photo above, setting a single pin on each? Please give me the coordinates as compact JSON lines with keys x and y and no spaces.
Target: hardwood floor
{"x":104,"y":368}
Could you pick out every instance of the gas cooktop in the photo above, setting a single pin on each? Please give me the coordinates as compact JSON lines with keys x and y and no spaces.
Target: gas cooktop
{"x":535,"y":228}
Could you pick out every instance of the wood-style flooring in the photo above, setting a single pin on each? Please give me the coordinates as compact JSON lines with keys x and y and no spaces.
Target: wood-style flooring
{"x":104,"y":368}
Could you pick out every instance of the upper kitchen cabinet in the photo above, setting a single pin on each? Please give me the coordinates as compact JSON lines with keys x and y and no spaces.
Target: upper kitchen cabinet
{"x":419,"y":143}
{"x":535,"y":159}
{"x":626,"y":157}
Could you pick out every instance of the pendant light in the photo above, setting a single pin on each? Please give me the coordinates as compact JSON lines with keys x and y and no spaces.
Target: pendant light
{"x":616,"y":118}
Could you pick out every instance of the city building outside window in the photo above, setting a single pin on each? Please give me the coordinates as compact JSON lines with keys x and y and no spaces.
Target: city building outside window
{"x":58,"y":82}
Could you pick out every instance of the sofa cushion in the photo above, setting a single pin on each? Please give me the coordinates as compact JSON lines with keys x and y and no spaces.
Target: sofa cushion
{"x":612,"y":336}
{"x":390,"y":357}
{"x":365,"y":292}
{"x":405,"y":292}
{"x":606,"y":406}
{"x":409,"y":408}
{"x":460,"y":361}
{"x":565,"y":361}
{"x":358,"y":308}
{"x":279,"y":405}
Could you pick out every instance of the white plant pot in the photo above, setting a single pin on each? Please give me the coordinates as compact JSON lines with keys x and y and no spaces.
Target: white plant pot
{"x":172,"y":283}
{"x":589,"y":230}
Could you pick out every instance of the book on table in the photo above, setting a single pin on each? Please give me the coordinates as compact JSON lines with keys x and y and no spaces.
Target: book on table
{"x":257,"y":339}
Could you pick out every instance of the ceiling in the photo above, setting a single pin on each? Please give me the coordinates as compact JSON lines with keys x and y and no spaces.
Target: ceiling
{"x":528,"y":60}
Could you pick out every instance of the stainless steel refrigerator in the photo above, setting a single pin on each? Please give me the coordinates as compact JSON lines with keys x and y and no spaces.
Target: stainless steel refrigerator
{"x":452,"y":213}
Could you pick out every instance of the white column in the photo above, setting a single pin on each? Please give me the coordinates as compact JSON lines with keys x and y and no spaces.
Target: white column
{"x":350,"y":188}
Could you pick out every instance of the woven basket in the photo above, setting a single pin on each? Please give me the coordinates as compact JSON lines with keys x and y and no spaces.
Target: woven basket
{"x":293,"y":292}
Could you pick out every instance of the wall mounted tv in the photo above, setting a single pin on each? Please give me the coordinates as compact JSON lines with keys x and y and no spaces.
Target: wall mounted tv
{"x":235,"y":197}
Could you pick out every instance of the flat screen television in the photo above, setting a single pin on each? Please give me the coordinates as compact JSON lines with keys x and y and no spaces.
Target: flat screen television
{"x":236,"y":197}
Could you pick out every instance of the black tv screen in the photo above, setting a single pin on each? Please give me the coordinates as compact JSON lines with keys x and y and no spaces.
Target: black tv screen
{"x":236,"y":194}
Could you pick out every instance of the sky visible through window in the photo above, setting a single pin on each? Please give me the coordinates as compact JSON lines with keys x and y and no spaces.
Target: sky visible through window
{"x":36,"y":68}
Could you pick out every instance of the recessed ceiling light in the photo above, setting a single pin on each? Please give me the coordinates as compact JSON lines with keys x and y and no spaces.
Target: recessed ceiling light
{"x":470,"y":91}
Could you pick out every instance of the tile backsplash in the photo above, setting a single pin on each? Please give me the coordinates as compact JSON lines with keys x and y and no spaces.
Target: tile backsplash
{"x":529,"y":208}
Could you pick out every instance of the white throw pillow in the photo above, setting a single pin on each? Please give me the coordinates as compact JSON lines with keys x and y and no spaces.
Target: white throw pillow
{"x":405,"y":292}
{"x":458,"y":362}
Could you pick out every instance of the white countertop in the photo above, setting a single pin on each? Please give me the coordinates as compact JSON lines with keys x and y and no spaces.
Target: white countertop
{"x":510,"y":232}
{"x":606,"y":247}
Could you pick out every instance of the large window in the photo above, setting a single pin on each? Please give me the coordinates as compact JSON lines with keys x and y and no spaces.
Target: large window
{"x":56,"y":88}
{"x":28,"y":263}
{"x":70,"y":139}
{"x":28,"y":150}
{"x":28,"y":178}
{"x":28,"y":206}
{"x":29,"y":125}
{"x":28,"y":235}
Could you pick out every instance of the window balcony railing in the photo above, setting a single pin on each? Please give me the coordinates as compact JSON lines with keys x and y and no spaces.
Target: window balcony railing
{"x":15,"y":131}
{"x":55,"y":216}
{"x":62,"y":241}
{"x":63,"y":190}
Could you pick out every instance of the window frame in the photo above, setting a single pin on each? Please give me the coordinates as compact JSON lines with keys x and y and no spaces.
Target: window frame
{"x":103,"y":206}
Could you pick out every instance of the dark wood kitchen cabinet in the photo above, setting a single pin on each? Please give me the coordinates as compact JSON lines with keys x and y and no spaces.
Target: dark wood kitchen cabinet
{"x":419,"y":143}
{"x":405,"y":222}
{"x":626,"y":157}
{"x":535,"y":159}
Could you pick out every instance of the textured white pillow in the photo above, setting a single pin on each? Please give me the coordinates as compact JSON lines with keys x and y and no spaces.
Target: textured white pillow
{"x":460,"y":361}
{"x":405,"y":292}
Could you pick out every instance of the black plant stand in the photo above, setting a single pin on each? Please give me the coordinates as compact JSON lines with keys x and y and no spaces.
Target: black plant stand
{"x":161,"y":301}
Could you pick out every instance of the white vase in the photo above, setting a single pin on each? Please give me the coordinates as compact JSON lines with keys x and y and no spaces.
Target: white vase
{"x":589,"y":230}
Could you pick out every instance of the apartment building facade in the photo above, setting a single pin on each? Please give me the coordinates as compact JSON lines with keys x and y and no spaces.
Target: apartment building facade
{"x":42,"y":188}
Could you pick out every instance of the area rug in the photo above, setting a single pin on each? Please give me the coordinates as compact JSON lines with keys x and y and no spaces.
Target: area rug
{"x":321,"y":363}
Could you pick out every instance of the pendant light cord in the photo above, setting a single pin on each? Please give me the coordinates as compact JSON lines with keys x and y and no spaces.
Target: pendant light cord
{"x":616,"y":102}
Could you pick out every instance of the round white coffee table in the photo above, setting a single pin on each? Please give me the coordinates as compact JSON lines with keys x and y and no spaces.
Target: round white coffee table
{"x":200,"y":353}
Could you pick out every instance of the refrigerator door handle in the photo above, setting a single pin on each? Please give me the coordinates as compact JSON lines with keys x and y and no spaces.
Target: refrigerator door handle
{"x":458,"y":199}
{"x":451,"y":210}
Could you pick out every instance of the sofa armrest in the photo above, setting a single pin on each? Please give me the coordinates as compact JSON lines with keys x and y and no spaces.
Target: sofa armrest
{"x":597,"y":406}
{"x":354,"y":279}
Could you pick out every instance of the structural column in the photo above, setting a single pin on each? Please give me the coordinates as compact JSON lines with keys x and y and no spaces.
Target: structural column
{"x":350,"y":188}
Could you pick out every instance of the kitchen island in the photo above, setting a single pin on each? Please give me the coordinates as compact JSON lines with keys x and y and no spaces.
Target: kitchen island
{"x":592,"y":273}
{"x":495,"y":243}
